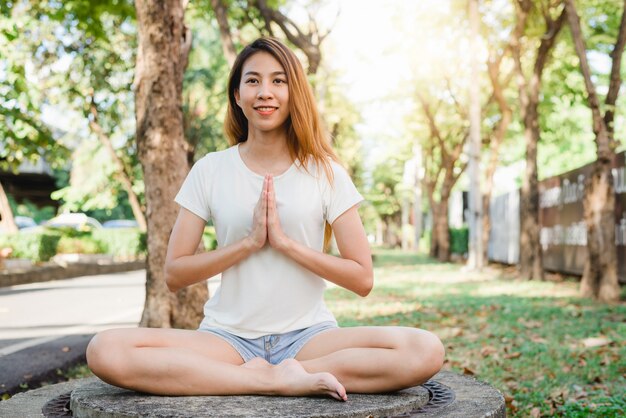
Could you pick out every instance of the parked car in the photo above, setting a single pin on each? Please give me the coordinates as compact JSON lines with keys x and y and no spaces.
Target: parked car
{"x":77,"y":221}
{"x":120,"y":223}
{"x":24,"y":222}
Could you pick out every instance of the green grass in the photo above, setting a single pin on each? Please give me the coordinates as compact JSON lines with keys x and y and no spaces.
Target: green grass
{"x":525,"y":338}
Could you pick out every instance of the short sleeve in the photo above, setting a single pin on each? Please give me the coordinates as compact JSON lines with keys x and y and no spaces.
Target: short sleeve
{"x":194,"y":193}
{"x":341,"y":195}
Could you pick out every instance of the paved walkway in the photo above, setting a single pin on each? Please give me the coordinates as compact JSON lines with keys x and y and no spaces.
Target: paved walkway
{"x":45,"y":327}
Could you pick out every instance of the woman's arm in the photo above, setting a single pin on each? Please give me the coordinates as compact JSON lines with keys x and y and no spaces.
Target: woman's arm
{"x":183,"y":267}
{"x":353,"y":270}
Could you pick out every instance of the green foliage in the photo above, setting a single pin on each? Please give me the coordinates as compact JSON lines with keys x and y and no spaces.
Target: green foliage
{"x":27,"y":208}
{"x":209,"y":238}
{"x":35,"y":246}
{"x":91,"y":188}
{"x":459,"y":240}
{"x":24,"y":136}
{"x":121,"y":242}
{"x":81,"y":244}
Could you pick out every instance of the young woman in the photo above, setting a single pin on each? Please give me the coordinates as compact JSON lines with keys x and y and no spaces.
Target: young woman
{"x":273,"y":198}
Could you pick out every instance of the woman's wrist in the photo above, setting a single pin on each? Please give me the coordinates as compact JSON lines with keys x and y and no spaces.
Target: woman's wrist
{"x":251,"y":245}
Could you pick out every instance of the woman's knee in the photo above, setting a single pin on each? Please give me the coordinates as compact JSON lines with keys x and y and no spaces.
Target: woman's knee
{"x":102,"y":351}
{"x":426,"y":353}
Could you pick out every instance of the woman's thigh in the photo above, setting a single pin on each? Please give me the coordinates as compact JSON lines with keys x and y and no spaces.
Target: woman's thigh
{"x":203,"y":343}
{"x":336,"y":339}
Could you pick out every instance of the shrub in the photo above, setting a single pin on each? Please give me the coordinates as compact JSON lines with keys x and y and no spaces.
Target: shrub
{"x":209,"y":238}
{"x":122,"y":242}
{"x":35,"y":246}
{"x":84,"y":244}
{"x":459,"y":240}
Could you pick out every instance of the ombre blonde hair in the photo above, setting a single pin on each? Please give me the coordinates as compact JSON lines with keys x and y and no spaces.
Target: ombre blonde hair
{"x":306,"y":139}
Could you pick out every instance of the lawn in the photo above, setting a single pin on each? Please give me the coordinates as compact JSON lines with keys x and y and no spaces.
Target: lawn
{"x":546,"y":349}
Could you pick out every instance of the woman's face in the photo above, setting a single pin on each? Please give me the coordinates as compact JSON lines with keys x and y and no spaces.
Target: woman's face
{"x":263,"y":94}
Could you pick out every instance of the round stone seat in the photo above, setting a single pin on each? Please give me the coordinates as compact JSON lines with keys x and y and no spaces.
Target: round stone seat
{"x":445,"y":395}
{"x":99,"y":399}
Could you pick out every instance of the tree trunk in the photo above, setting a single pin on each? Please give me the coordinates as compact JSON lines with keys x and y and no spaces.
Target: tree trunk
{"x":531,"y":263}
{"x":164,"y":44}
{"x":497,"y":138}
{"x":600,"y":273}
{"x":531,"y":260}
{"x":6,"y":213}
{"x":475,"y":257}
{"x":441,"y":234}
{"x":228,"y":46}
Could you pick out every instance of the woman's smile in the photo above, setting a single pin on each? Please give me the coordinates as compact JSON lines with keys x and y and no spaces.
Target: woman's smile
{"x":265,"y":110}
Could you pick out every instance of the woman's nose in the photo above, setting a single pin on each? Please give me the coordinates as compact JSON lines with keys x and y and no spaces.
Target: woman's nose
{"x":264,"y":91}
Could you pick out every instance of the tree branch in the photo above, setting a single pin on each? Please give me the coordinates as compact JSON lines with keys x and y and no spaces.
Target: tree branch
{"x":615,"y":78}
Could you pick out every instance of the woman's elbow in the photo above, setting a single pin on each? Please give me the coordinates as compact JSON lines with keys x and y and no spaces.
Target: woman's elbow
{"x":366,"y":286}
{"x":170,"y":279}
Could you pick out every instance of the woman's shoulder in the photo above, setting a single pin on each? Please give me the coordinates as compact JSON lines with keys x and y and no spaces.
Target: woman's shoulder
{"x":328,"y":170}
{"x":214,"y":158}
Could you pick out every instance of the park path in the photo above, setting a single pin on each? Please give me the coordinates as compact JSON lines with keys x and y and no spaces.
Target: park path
{"x":41,"y":312}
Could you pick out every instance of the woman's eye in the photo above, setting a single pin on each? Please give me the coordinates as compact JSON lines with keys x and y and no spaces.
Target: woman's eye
{"x":251,"y":81}
{"x":280,"y":81}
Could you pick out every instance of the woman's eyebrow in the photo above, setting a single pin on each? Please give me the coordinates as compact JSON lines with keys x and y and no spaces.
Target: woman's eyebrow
{"x":258,"y":74}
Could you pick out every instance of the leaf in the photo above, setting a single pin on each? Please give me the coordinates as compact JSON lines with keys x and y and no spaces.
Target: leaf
{"x":596,"y":342}
{"x":65,"y":349}
{"x":515,"y":354}
{"x":468,"y":371}
{"x":487,"y":351}
{"x":530,"y":324}
{"x":535,"y":412}
{"x":448,"y":332}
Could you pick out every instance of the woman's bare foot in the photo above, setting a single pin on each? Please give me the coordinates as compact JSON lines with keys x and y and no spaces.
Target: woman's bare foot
{"x":295,"y":381}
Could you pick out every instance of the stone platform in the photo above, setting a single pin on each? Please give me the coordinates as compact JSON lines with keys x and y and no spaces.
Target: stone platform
{"x":446,"y":395}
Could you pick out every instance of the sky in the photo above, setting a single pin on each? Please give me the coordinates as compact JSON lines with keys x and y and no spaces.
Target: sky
{"x":366,"y":47}
{"x":380,"y":49}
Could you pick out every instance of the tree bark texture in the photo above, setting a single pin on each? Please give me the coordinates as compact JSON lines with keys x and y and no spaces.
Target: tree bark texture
{"x":599,"y":279}
{"x":531,"y":263}
{"x":440,"y":239}
{"x":164,"y":44}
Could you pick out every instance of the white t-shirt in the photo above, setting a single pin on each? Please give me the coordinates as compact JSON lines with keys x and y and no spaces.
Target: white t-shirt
{"x":266,"y":293}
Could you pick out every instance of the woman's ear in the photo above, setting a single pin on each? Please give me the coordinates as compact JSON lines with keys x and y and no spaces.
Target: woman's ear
{"x":236,"y":92}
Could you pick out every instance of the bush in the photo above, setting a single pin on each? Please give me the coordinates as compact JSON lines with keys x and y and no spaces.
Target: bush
{"x":209,"y":238}
{"x":459,"y":240}
{"x":84,"y":244}
{"x":35,"y":246}
{"x":122,"y":242}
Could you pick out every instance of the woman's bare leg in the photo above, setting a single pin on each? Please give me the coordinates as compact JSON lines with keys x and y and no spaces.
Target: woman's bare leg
{"x":374,"y":359}
{"x":182,"y":362}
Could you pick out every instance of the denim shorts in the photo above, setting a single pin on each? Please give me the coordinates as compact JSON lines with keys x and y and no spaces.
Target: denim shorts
{"x":274,"y":348}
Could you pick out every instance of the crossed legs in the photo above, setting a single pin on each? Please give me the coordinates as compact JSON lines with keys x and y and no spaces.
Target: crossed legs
{"x":181,"y":362}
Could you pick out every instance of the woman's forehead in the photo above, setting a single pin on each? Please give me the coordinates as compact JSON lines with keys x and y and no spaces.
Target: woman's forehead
{"x":262,"y":63}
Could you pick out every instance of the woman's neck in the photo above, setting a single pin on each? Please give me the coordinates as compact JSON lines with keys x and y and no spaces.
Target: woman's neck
{"x":266,"y":152}
{"x":269,"y":146}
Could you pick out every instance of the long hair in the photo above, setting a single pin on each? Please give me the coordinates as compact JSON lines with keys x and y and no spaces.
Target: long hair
{"x":306,"y":139}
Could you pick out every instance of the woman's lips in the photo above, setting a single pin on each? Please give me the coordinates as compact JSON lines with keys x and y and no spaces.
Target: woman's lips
{"x":265,"y":110}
